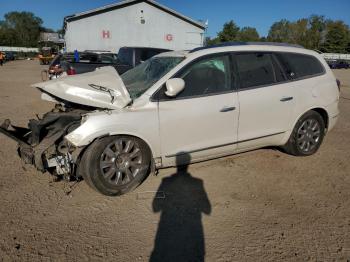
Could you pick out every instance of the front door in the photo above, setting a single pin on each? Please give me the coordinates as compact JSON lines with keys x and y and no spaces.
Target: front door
{"x":201,"y":122}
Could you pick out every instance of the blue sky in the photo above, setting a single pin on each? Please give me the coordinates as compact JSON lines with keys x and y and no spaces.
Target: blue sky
{"x":257,"y":13}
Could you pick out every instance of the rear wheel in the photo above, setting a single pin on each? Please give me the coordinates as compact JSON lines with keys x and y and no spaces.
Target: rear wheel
{"x":307,"y":135}
{"x":115,"y":165}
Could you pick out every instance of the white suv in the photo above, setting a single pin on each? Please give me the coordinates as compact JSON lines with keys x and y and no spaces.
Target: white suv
{"x":181,"y":107}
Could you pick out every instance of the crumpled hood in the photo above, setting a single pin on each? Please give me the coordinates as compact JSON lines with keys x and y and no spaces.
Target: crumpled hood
{"x":101,"y":88}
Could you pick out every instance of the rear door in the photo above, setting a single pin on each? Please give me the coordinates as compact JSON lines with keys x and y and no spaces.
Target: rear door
{"x":266,"y":99}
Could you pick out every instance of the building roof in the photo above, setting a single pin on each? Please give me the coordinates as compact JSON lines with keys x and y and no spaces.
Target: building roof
{"x":126,"y":3}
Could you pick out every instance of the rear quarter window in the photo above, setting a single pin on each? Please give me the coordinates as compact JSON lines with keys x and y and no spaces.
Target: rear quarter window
{"x":300,"y":65}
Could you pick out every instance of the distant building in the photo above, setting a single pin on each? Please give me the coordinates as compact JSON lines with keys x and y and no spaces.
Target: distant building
{"x":51,"y":37}
{"x":143,"y":23}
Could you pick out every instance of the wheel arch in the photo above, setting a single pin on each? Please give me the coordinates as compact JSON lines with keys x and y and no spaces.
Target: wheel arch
{"x":79,"y":153}
{"x":324,"y":115}
{"x":322,"y":111}
{"x":151,"y":150}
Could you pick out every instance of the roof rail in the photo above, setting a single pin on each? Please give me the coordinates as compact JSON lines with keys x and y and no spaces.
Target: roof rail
{"x":245,"y":43}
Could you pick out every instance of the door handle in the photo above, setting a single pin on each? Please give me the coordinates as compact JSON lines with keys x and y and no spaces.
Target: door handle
{"x":227,"y":109}
{"x":285,"y":99}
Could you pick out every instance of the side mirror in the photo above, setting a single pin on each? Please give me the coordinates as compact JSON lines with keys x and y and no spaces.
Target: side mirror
{"x":174,"y":86}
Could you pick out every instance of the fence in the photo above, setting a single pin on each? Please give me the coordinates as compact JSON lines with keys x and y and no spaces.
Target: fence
{"x":19,"y":49}
{"x":334,"y":56}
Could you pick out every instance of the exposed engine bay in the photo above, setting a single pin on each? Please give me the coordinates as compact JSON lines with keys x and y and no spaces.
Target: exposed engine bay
{"x":42,"y":143}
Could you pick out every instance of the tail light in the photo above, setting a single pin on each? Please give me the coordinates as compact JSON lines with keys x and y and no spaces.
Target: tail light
{"x":71,"y":71}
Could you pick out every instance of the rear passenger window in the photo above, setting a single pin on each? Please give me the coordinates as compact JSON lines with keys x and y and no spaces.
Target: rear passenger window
{"x":299,"y":65}
{"x":257,"y":69}
{"x":279,"y":73}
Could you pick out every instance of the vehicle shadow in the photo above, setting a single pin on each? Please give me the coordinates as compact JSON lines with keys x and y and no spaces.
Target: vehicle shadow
{"x":180,"y":235}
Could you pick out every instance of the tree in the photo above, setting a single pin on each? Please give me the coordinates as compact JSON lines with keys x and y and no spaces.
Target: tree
{"x":263,"y":39}
{"x":46,"y":30}
{"x":208,"y":41}
{"x":248,"y":34}
{"x":229,"y":32}
{"x":7,"y":35}
{"x":279,"y":31}
{"x":20,"y":29}
{"x":337,"y":37}
{"x":317,"y":27}
{"x":314,"y":32}
{"x":298,"y":32}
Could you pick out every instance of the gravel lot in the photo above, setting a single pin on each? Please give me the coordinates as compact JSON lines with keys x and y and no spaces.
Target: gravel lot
{"x":262,"y":205}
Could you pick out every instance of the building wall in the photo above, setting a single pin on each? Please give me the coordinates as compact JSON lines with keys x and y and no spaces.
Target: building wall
{"x":123,"y":27}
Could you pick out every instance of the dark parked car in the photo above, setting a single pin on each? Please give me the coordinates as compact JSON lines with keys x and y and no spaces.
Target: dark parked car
{"x":127,"y":58}
{"x":9,"y":56}
{"x":338,"y":64}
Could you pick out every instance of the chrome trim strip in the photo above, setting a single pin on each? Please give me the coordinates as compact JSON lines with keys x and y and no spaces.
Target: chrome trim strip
{"x":227,"y":144}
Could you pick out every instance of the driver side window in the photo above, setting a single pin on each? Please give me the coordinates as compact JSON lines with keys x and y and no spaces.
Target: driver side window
{"x":207,"y":76}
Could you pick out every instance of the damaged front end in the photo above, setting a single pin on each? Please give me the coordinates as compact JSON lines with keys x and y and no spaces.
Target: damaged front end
{"x":42,"y":143}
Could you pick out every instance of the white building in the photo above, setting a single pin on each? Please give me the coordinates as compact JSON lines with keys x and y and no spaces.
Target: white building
{"x":142,"y":23}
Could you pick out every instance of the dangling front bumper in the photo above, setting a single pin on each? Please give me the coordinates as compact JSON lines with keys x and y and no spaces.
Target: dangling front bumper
{"x":21,"y":136}
{"x":43,"y":143}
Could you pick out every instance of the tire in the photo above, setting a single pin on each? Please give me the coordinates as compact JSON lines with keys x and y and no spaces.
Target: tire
{"x":115,"y":165}
{"x":307,"y":135}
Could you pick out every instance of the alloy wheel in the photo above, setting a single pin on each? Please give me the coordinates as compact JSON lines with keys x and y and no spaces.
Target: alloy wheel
{"x":308,"y":135}
{"x":121,"y":161}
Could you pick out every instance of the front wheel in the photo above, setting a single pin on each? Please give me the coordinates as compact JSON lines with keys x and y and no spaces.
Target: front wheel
{"x":307,"y":135}
{"x":115,"y":165}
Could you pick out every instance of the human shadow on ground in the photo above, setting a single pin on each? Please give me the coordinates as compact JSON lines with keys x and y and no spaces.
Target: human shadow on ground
{"x":180,"y":235}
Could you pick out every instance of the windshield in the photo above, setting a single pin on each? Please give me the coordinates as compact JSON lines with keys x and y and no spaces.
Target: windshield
{"x":143,"y":76}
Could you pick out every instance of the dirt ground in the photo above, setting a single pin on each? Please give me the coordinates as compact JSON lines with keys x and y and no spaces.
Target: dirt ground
{"x":262,"y":205}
